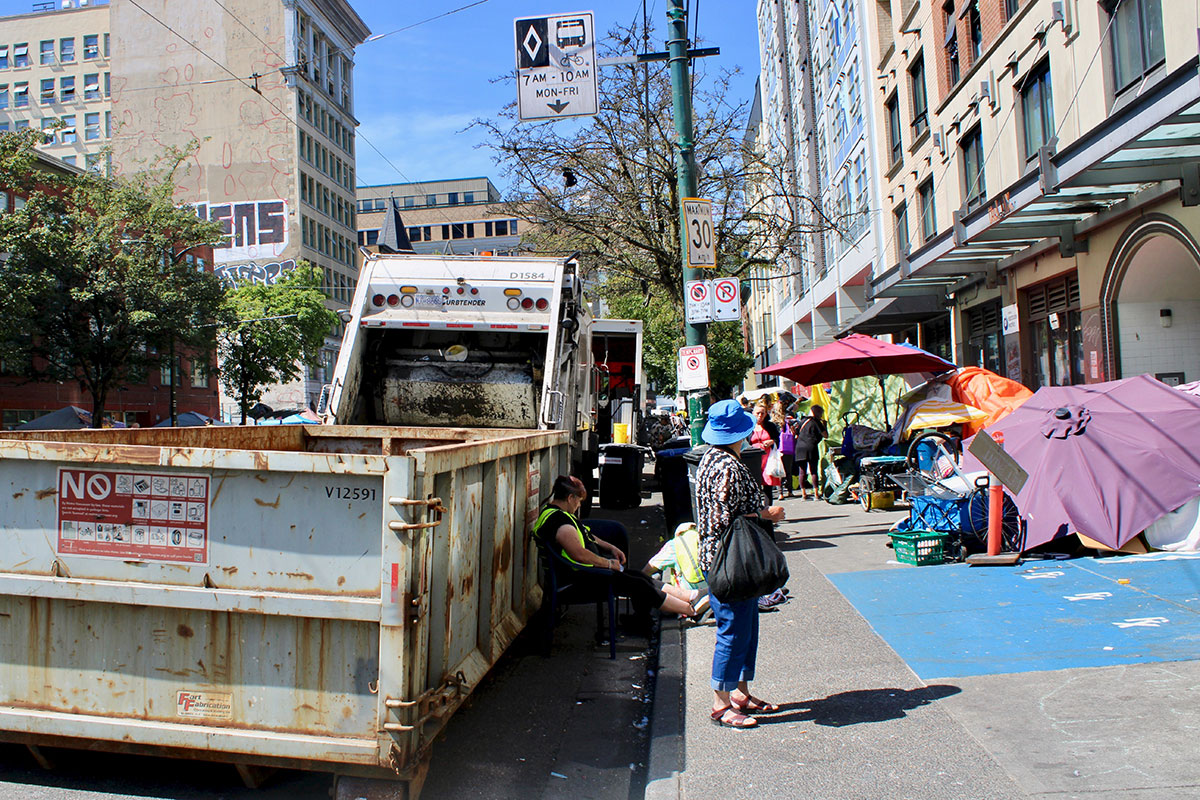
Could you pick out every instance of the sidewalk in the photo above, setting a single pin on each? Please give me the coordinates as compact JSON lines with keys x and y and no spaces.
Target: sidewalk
{"x":858,"y":722}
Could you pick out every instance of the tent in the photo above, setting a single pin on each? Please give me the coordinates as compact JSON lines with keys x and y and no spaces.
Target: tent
{"x":69,"y":418}
{"x":188,"y":419}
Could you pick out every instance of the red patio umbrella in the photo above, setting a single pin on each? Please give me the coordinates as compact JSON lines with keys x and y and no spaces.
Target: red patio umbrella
{"x":857,"y":356}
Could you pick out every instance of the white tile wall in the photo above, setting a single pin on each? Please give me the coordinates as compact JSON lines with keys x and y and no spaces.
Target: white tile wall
{"x":1146,"y":346}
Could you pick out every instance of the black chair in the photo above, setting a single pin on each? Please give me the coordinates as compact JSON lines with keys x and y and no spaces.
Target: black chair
{"x":560,"y":590}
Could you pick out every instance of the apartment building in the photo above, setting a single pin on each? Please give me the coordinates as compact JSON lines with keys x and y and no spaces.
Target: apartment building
{"x":459,"y":216}
{"x":1043,"y":178}
{"x":55,"y":76}
{"x":817,"y":116}
{"x":267,"y":93}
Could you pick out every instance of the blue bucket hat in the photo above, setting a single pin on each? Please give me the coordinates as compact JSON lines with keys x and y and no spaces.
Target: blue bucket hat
{"x":727,"y":423}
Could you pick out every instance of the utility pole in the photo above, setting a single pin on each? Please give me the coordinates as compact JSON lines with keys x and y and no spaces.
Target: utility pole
{"x":685,"y":178}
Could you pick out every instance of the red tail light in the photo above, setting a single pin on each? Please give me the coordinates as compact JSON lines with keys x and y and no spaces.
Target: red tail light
{"x":542,"y":304}
{"x":393,"y":299}
{"x":527,"y":303}
{"x":377,"y":300}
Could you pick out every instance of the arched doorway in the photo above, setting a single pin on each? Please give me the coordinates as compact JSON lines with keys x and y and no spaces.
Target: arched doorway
{"x":1152,"y":293}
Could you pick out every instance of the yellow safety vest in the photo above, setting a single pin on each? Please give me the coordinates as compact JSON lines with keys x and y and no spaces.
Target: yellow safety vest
{"x":687,"y":550}
{"x":552,"y":541}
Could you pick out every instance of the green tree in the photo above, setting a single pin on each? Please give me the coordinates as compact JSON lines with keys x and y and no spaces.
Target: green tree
{"x":97,"y":276}
{"x":269,"y":333}
{"x":606,"y":187}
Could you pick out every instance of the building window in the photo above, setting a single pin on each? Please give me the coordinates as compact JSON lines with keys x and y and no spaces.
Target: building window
{"x":1056,"y":331}
{"x":66,"y":86}
{"x":67,"y":135}
{"x":894,"y":140}
{"x":107,"y":80}
{"x":1010,"y":8}
{"x":47,"y":53}
{"x":976,"y":28}
{"x":106,"y":45}
{"x":3,"y":96}
{"x":1137,"y":38}
{"x":458,"y":230}
{"x":431,"y":199}
{"x":902,"y":241}
{"x":91,"y":87}
{"x":512,"y":227}
{"x":199,"y":375}
{"x":21,"y":55}
{"x":410,"y":201}
{"x":47,"y":96}
{"x":501,"y":227}
{"x":4,"y":57}
{"x":66,"y":50}
{"x":928,"y":212}
{"x":452,"y":198}
{"x":951,"y":42}
{"x":91,"y":47}
{"x":1037,"y":109}
{"x":468,"y":197}
{"x":920,"y":101}
{"x":985,"y":340}
{"x":974,"y":187}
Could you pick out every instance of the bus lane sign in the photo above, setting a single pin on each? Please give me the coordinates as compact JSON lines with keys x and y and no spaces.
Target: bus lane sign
{"x":147,"y":516}
{"x":556,"y":66}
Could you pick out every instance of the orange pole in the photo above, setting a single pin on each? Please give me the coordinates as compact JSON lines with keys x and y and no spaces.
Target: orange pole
{"x":995,"y":508}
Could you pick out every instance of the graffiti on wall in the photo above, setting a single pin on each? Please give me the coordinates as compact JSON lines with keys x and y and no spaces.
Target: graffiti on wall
{"x":256,"y":229}
{"x":235,"y":275}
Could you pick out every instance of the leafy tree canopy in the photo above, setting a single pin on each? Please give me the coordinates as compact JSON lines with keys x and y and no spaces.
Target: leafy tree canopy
{"x":98,"y":278}
{"x":270,"y":332}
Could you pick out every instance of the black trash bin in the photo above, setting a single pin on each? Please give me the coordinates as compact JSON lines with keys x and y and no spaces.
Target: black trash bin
{"x":672,"y":473}
{"x":692,"y":459}
{"x":621,"y":475}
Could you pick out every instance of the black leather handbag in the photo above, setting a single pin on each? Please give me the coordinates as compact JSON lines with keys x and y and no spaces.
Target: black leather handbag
{"x":748,"y":563}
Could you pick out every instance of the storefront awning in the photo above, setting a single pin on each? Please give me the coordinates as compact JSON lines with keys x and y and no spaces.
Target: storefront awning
{"x":890,"y":314}
{"x":1126,"y":159}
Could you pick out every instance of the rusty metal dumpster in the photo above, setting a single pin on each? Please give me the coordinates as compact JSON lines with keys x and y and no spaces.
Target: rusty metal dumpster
{"x":320,"y":597}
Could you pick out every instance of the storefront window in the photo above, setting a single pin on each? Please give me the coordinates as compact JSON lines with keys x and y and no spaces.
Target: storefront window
{"x":985,"y":342}
{"x":1056,"y":333}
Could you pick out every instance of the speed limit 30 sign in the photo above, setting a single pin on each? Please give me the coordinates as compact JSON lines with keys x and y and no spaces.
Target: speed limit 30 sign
{"x":701,"y":241}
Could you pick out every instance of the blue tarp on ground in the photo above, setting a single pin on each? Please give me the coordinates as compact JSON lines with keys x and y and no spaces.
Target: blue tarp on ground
{"x":954,"y":620}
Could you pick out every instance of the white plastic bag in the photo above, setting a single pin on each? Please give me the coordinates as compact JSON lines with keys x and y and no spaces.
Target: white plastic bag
{"x":774,"y":466}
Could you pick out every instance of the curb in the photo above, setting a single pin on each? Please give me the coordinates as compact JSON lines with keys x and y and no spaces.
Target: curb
{"x":665,"y":762}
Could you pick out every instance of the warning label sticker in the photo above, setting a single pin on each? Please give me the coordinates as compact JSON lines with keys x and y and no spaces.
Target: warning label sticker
{"x":133,"y":515}
{"x":206,"y":705}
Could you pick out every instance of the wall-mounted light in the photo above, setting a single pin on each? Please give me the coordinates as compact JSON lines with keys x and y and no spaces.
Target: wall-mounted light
{"x":1164,"y":317}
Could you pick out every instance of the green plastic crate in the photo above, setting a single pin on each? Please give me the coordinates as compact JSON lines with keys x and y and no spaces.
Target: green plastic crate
{"x":920,"y":548}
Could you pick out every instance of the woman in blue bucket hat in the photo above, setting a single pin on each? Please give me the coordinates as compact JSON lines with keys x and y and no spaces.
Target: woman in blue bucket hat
{"x":724,"y":489}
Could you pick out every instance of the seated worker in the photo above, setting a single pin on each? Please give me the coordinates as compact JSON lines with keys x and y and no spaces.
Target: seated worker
{"x":678,"y":560}
{"x":558,"y":527}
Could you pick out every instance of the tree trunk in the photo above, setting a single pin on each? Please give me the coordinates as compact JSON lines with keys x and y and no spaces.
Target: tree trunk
{"x":98,"y":398}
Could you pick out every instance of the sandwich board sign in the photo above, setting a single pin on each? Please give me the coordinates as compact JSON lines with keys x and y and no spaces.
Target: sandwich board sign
{"x":701,"y":243}
{"x":727,"y":299}
{"x":693,"y":368}
{"x":556,"y":66}
{"x":697,"y":305}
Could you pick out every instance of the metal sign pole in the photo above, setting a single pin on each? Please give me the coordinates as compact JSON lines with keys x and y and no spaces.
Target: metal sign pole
{"x":685,"y":169}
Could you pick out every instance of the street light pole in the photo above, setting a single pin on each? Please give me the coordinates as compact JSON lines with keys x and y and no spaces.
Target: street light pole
{"x":685,"y":177}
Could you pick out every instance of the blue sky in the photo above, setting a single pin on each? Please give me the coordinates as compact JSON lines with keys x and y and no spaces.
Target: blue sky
{"x":416,"y":91}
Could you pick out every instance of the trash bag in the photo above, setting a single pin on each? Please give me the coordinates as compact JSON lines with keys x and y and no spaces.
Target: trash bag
{"x":836,"y":490}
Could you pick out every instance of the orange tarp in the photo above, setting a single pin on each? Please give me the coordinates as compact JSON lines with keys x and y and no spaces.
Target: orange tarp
{"x":988,"y":392}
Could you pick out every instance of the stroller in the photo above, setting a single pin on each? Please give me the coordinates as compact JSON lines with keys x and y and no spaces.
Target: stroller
{"x":943,"y":499}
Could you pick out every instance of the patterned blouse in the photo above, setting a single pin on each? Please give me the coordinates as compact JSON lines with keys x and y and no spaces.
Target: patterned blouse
{"x":724,"y":489}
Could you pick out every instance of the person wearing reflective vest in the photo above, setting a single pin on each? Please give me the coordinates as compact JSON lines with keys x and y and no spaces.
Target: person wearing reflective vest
{"x":559,"y":528}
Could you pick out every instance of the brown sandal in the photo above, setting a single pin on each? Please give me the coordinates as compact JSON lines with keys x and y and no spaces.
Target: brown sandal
{"x":739,"y":720}
{"x":754,"y":704}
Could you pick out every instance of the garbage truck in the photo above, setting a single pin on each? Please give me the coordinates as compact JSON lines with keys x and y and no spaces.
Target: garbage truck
{"x":321,"y":597}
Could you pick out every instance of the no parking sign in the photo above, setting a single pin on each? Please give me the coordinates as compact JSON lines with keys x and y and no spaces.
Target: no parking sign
{"x":698,"y":305}
{"x":726,"y":299}
{"x":693,"y":368}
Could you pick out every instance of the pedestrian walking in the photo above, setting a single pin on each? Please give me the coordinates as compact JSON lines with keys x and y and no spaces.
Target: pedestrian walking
{"x":725,"y":489}
{"x":810,"y":432}
{"x":765,"y":437}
